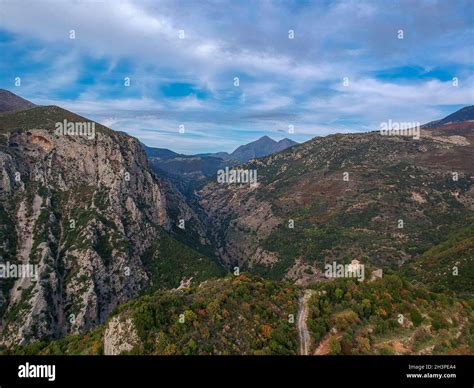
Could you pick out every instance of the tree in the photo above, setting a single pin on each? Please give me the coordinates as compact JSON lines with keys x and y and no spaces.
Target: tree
{"x":266,"y":330}
{"x":416,"y":317}
{"x":367,"y":308}
{"x":334,"y":345}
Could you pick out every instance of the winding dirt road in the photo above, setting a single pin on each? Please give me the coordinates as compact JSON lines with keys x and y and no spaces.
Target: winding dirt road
{"x":305,"y":337}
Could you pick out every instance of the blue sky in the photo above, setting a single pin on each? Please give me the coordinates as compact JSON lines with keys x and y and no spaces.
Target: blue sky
{"x":282,"y":81}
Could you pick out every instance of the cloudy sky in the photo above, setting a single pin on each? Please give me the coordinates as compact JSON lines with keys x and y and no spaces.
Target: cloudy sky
{"x":350,"y":65}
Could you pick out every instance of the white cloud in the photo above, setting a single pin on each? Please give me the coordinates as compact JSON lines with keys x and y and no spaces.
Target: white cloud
{"x":282,"y":80}
{"x":373,"y":101}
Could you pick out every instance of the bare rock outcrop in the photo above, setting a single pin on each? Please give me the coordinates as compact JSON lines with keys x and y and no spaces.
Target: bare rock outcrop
{"x":82,"y":210}
{"x":120,"y":336}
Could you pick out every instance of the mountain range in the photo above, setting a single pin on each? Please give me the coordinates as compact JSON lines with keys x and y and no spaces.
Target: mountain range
{"x":141,"y":250}
{"x":188,"y":171}
{"x":256,"y":149}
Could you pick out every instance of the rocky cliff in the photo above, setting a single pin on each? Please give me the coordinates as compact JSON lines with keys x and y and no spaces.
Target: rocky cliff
{"x":82,"y":209}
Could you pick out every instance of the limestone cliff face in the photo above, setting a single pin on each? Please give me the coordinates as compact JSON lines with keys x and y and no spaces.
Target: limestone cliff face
{"x":82,"y":210}
{"x":238,"y":222}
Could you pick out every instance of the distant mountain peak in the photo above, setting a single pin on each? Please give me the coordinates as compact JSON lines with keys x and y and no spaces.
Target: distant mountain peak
{"x":259,"y":148}
{"x":10,"y":102}
{"x":461,"y":115}
{"x":266,"y":138}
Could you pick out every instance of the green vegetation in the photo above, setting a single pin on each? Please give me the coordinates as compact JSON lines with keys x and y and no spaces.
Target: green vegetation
{"x":232,"y":315}
{"x":8,"y":238}
{"x":44,"y":117}
{"x":90,"y":343}
{"x":389,"y":316}
{"x":448,"y":266}
{"x":248,"y":315}
{"x":168,"y":261}
{"x":388,"y":181}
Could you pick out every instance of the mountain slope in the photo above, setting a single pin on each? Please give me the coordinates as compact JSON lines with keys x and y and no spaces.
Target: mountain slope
{"x":388,"y":316}
{"x":252,"y":316}
{"x":464,"y":114}
{"x":10,"y":102}
{"x":162,"y":153}
{"x":383,"y":200}
{"x":187,"y":172}
{"x":85,"y":211}
{"x":221,"y":155}
{"x":461,"y":115}
{"x":448,"y":266}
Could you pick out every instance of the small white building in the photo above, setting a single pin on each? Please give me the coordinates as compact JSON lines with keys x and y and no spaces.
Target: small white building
{"x":354,"y":266}
{"x":377,"y":274}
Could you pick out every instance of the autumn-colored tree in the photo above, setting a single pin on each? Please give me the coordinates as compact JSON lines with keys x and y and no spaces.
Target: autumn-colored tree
{"x":266,"y":330}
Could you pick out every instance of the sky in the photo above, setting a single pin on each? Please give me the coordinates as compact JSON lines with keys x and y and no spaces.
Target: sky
{"x":304,"y":68}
